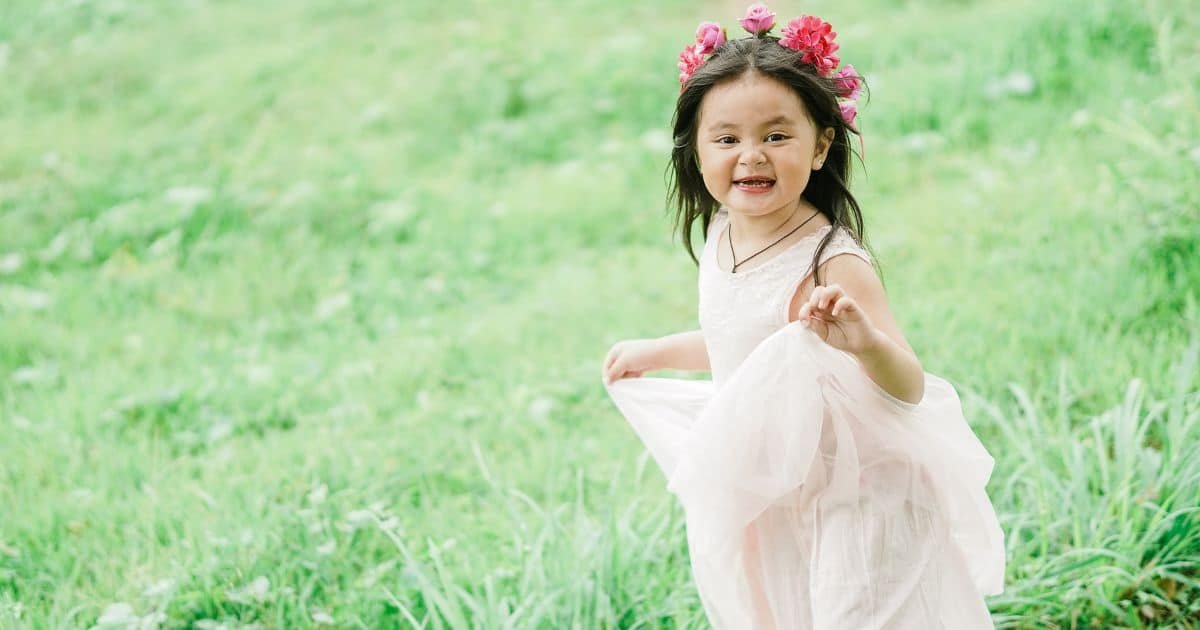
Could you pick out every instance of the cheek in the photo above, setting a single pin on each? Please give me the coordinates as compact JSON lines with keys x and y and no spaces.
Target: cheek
{"x":713,"y":167}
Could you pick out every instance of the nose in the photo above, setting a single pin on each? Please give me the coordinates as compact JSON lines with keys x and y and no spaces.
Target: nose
{"x":752,"y":155}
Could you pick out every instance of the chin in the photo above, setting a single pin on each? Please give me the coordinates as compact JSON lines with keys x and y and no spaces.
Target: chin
{"x":764,"y":207}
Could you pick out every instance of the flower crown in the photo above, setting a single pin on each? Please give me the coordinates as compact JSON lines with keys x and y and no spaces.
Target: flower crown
{"x":807,"y":34}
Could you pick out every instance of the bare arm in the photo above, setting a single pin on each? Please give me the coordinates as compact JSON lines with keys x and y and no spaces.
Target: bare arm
{"x":684,"y":351}
{"x":894,"y":369}
{"x":633,"y":357}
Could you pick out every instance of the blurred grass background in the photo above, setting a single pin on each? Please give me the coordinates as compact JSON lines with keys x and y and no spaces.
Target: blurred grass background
{"x":304,"y":303}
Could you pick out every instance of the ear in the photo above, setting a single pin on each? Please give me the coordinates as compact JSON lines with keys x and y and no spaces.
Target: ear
{"x":824,"y":142}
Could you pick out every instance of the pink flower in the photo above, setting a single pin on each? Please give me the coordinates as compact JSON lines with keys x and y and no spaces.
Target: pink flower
{"x":848,"y":84}
{"x":709,"y":37}
{"x":759,"y":19}
{"x":849,"y":113}
{"x":814,"y":37}
{"x":689,"y":60}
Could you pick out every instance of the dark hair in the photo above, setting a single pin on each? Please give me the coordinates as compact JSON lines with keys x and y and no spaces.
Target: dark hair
{"x":828,"y":189}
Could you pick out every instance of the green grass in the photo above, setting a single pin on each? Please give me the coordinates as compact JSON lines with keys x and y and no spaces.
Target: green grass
{"x":303,"y":304}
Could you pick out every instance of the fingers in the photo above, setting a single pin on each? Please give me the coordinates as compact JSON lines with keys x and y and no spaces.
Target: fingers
{"x":822,"y":303}
{"x":616,"y":366}
{"x":844,"y":306}
{"x":610,"y":360}
{"x":823,"y":297}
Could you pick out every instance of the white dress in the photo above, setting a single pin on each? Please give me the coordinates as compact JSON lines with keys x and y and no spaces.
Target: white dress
{"x":813,"y":498}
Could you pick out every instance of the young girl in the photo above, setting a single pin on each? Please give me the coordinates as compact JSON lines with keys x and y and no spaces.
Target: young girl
{"x":827,"y":480}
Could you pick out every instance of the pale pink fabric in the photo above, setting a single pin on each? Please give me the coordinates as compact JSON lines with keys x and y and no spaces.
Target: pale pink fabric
{"x":813,"y":498}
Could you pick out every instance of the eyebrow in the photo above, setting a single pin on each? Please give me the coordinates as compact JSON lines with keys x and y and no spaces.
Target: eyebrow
{"x":778,"y":120}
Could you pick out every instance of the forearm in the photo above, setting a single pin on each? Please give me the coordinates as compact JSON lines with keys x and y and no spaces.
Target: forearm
{"x":894,"y":369}
{"x":684,"y":351}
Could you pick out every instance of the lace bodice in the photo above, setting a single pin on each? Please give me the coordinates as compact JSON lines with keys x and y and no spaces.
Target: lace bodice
{"x":739,"y":310}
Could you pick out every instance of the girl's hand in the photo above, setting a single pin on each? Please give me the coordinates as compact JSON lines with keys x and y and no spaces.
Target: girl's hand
{"x":838,"y":320}
{"x":631,"y":358}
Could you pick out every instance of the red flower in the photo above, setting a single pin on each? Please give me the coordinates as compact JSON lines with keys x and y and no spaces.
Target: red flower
{"x":847,"y":81}
{"x":709,"y":36}
{"x":689,"y":60}
{"x":812,"y":36}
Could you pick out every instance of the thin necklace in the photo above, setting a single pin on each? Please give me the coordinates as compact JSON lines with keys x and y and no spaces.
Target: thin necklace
{"x":733,"y":255}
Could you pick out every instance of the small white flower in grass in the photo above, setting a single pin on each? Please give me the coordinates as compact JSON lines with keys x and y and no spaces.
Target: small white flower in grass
{"x":219,"y":432}
{"x":387,"y":216}
{"x":297,"y":193}
{"x":166,"y":244}
{"x":15,"y":609}
{"x":372,"y":113}
{"x":569,"y":168}
{"x":159,"y":588}
{"x":11,"y":263}
{"x":657,"y":141}
{"x":1021,"y":154}
{"x":188,"y":196}
{"x":332,"y":305}
{"x":327,"y":548}
{"x":56,"y":247}
{"x":256,"y":591}
{"x":435,"y":284}
{"x":377,"y":572}
{"x":1081,"y":118}
{"x":210,"y":502}
{"x":611,"y":146}
{"x":210,"y":624}
{"x":359,"y":518}
{"x":258,"y":374}
{"x":318,"y":494}
{"x":1016,"y":83}
{"x":320,"y":616}
{"x":985,"y":177}
{"x":541,"y":407}
{"x":1195,"y":154}
{"x":34,"y":374}
{"x":922,"y":141}
{"x":118,"y":614}
{"x":19,"y":297}
{"x":503,"y":573}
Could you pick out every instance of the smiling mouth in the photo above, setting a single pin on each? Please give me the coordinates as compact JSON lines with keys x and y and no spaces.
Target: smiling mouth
{"x":754,"y":183}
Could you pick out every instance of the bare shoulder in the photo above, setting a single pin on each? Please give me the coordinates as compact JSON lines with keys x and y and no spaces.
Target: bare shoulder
{"x":858,"y":278}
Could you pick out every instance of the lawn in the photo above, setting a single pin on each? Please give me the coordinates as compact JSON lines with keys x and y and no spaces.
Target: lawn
{"x":303,"y":305}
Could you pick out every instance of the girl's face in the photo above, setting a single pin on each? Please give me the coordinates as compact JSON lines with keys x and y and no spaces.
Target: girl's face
{"x":757,"y":146}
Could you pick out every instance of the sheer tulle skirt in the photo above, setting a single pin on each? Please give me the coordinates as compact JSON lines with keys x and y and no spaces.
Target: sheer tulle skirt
{"x":814,"y":499}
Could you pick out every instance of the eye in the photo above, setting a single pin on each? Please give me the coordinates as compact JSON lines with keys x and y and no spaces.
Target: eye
{"x":776,"y":137}
{"x":726,"y":140}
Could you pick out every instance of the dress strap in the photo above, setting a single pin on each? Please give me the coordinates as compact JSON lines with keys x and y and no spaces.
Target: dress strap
{"x":842,"y":242}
